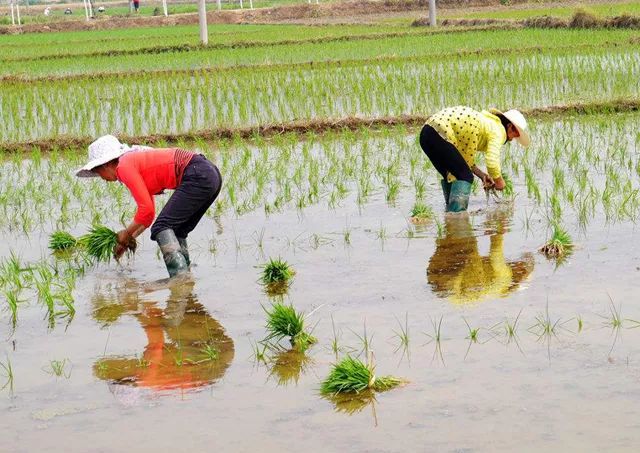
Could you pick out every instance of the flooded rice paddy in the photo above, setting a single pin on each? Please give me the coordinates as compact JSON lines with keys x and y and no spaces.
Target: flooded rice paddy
{"x":147,"y":364}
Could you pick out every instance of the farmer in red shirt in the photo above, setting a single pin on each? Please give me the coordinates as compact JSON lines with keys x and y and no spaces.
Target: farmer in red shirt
{"x":147,"y":172}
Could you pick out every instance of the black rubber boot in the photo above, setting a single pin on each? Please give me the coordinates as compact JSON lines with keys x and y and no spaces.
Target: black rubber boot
{"x":173,"y":257}
{"x":184,"y":249}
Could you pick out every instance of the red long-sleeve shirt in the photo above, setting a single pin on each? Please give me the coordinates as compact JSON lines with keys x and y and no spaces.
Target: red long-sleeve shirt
{"x":148,"y":172}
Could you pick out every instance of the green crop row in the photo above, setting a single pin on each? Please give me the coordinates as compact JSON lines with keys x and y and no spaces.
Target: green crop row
{"x":325,"y":51}
{"x":577,"y":170}
{"x":236,"y":35}
{"x":178,"y":104}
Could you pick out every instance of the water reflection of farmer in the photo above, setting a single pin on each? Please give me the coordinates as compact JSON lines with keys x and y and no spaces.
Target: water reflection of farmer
{"x":452,"y":138}
{"x":147,"y":172}
{"x":186,"y":348}
{"x":458,"y":272}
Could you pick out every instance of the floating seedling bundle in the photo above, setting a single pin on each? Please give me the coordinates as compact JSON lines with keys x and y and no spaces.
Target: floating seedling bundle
{"x":351,"y":375}
{"x":421,"y":213}
{"x":559,"y":245}
{"x":283,"y":321}
{"x":276,"y":276}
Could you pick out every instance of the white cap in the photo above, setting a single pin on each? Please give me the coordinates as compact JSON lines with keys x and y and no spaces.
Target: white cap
{"x":101,"y":151}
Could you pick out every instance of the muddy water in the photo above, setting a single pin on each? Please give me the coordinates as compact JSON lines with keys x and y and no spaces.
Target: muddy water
{"x":137,"y":376}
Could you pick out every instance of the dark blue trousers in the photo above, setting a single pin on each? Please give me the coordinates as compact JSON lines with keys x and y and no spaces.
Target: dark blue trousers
{"x":200,"y":186}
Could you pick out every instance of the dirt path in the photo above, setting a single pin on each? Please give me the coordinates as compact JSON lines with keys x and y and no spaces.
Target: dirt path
{"x":351,"y":12}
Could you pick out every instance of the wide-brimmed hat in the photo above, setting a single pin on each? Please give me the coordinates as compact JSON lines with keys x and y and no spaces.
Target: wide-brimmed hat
{"x":517,"y":119}
{"x":101,"y":151}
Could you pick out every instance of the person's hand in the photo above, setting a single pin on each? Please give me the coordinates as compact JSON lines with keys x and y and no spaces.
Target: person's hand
{"x":124,"y":237}
{"x":119,"y":250}
{"x":499,"y":183}
{"x":487,"y":181}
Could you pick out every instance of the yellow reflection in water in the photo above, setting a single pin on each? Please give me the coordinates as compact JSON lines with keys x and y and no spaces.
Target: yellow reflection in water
{"x":186,"y":348}
{"x":458,"y":272}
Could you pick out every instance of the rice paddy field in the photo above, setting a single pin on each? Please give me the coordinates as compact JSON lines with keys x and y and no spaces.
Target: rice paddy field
{"x":332,"y":305}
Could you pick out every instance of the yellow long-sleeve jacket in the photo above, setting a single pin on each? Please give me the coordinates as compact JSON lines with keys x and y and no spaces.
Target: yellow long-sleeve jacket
{"x":471,"y":131}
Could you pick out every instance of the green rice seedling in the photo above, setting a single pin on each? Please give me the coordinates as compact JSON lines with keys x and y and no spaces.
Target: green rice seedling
{"x":472,"y":337}
{"x":351,"y":375}
{"x":436,"y":338}
{"x":510,"y":330}
{"x":545,"y":328}
{"x":580,"y":323}
{"x":346,"y":236}
{"x":7,"y":371}
{"x":365,"y":340}
{"x":276,"y":276}
{"x":210,"y":353}
{"x":381,"y":234}
{"x":439,"y":229}
{"x":12,"y":298}
{"x":284,"y":321}
{"x":57,"y":368}
{"x":258,"y":238}
{"x":259,"y":352}
{"x":100,"y":242}
{"x":402,"y":334}
{"x":421,"y":213}
{"x":560,"y":244}
{"x":335,"y":341}
{"x":62,"y":241}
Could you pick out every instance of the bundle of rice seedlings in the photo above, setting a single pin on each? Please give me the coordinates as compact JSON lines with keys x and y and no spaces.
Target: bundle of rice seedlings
{"x":354,"y":376}
{"x":284,"y":321}
{"x":61,"y":240}
{"x":421,"y":213}
{"x":559,"y":245}
{"x":276,"y":276}
{"x":100,"y":242}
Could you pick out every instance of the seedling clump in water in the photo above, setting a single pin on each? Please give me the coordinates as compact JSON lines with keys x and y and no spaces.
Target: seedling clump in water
{"x":354,"y":376}
{"x":284,"y":321}
{"x":277,"y":275}
{"x":559,"y":245}
{"x":421,"y":213}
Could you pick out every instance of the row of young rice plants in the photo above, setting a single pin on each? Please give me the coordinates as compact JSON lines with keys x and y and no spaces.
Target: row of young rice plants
{"x":167,"y":104}
{"x":440,"y":44}
{"x":349,"y":167}
{"x":594,"y":179}
{"x":236,"y":34}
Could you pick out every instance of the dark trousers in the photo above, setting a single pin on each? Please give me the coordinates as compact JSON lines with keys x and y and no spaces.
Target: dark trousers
{"x":200,"y":186}
{"x":444,"y":156}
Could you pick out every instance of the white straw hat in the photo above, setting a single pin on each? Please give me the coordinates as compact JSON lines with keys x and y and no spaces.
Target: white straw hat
{"x":517,"y":119}
{"x":101,"y":151}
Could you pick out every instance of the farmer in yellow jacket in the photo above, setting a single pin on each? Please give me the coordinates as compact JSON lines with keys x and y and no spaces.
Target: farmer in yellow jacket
{"x":452,"y":138}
